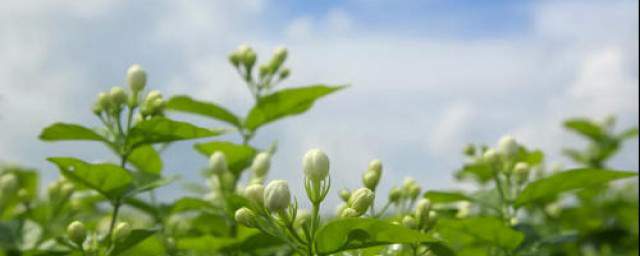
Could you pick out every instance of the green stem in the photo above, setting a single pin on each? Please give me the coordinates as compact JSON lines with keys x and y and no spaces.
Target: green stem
{"x":114,"y":216}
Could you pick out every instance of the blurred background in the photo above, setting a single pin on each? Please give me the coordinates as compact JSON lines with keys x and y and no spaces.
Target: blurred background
{"x":427,"y":77}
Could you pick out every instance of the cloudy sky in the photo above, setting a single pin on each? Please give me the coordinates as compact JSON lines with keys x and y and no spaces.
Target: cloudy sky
{"x":427,"y":76}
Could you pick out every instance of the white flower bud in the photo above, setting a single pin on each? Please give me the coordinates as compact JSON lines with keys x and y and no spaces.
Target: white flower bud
{"x":8,"y":183}
{"x":464,"y":208}
{"x":303,"y":217}
{"x":104,"y":100}
{"x":316,"y":165}
{"x":341,"y":208}
{"x":255,"y":193}
{"x":409,"y":222}
{"x":246,"y":217}
{"x":433,"y":216}
{"x":122,"y":231}
{"x":361,"y":199}
{"x":350,"y":213}
{"x":118,"y":96}
{"x":280,"y":54}
{"x":218,"y":163}
{"x":277,"y":196}
{"x":376,"y":166}
{"x":66,"y":189}
{"x":136,"y":77}
{"x":261,"y":164}
{"x":76,"y":232}
{"x":422,"y":209}
{"x":153,"y":95}
{"x":507,"y":146}
{"x":490,"y":156}
{"x":395,"y":194}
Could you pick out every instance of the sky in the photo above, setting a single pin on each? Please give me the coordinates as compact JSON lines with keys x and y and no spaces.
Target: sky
{"x":427,"y":77}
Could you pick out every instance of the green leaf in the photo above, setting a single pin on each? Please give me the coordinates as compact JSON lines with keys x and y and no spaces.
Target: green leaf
{"x":238,"y":156}
{"x":446,"y":197}
{"x":136,"y":236}
{"x":64,"y":131}
{"x":162,"y":130}
{"x":284,"y":103}
{"x":586,"y":128}
{"x":186,"y":104}
{"x":192,"y":204}
{"x":107,"y":179}
{"x":566,"y":181}
{"x":629,"y":133}
{"x":146,"y":159}
{"x":464,"y":232}
{"x":353,"y":233}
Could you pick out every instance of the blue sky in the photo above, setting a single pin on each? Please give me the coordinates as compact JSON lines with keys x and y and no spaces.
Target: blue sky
{"x":427,"y":76}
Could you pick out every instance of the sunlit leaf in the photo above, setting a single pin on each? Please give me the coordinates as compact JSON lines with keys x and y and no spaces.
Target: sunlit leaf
{"x":284,"y":103}
{"x":445,"y":197}
{"x":187,"y":104}
{"x":162,"y":130}
{"x":64,"y":131}
{"x":567,"y":181}
{"x":107,"y":179}
{"x":146,"y":159}
{"x":487,"y":230}
{"x":586,"y":128}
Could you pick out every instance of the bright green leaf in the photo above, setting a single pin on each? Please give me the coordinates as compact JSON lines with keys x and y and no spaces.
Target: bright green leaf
{"x":479,"y":230}
{"x":162,"y":130}
{"x":284,"y":103}
{"x":353,"y":233}
{"x":239,"y":157}
{"x":586,"y":128}
{"x":566,"y":181}
{"x":445,"y":197}
{"x":146,"y":159}
{"x":136,"y":236}
{"x":186,"y":104}
{"x":64,"y":131}
{"x":107,"y":179}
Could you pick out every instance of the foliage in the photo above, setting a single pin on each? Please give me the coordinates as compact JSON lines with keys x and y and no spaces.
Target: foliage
{"x":517,"y":206}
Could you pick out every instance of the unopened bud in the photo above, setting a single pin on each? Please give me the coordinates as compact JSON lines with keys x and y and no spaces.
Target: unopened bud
{"x":464,"y":208}
{"x":235,"y":58}
{"x":76,"y":232}
{"x":302,"y":219}
{"x":122,"y":231}
{"x":118,"y":96}
{"x":8,"y":183}
{"x":341,"y":208}
{"x":422,"y":209}
{"x":103,"y":101}
{"x":277,"y":196}
{"x":218,"y":163}
{"x":376,"y":166}
{"x":136,"y":77}
{"x":361,"y":199}
{"x":261,"y":163}
{"x":66,"y":189}
{"x":409,"y":222}
{"x":345,"y":194}
{"x":470,"y":150}
{"x":350,"y":213}
{"x":507,"y":146}
{"x":395,"y":194}
{"x":370,"y":179}
{"x":279,"y":55}
{"x":316,"y":165}
{"x":521,"y":171}
{"x":255,"y":193}
{"x":284,"y":74}
{"x":490,"y":156}
{"x":246,"y":217}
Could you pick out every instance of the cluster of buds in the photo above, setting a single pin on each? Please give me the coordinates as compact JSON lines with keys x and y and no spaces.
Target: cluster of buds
{"x":153,"y":105}
{"x":275,"y":198}
{"x":358,"y":204}
{"x":121,"y":231}
{"x":260,"y":167}
{"x":269,"y":74}
{"x":371,"y":177}
{"x":423,"y":218}
{"x":60,"y":190}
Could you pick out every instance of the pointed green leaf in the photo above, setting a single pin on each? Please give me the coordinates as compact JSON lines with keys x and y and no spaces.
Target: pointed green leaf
{"x":586,"y":128}
{"x":487,"y":230}
{"x":187,"y":104}
{"x":238,"y":156}
{"x":285,"y":103}
{"x":146,"y":159}
{"x":353,"y":233}
{"x":446,"y":197}
{"x":110,"y":180}
{"x":135,"y":237}
{"x":64,"y":131}
{"x":162,"y":130}
{"x":567,"y":181}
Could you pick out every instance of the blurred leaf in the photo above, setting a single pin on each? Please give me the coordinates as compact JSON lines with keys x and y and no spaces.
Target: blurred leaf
{"x":586,"y":127}
{"x":284,"y":103}
{"x":107,"y":179}
{"x":485,"y":230}
{"x":186,"y":104}
{"x":238,"y":156}
{"x":566,"y":181}
{"x":352,"y":233}
{"x":252,"y":243}
{"x":481,"y":172}
{"x":629,"y":133}
{"x":146,"y":159}
{"x":446,"y":197}
{"x":136,"y":236}
{"x":191,"y":204}
{"x":162,"y":130}
{"x":64,"y":131}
